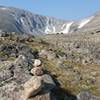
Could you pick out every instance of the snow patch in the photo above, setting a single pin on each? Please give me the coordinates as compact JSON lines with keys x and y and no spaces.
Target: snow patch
{"x":47,"y":30}
{"x":85,"y":21}
{"x":22,"y":20}
{"x":4,"y":8}
{"x":54,"y":29}
{"x":67,"y":29}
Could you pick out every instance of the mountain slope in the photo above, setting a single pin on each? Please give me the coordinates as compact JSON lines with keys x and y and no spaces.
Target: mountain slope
{"x":87,"y":24}
{"x":21,"y":21}
{"x":12,"y":19}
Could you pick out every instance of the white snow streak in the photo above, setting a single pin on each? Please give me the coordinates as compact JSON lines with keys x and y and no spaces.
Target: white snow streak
{"x":22,"y":20}
{"x":67,"y":29}
{"x":4,"y":8}
{"x":54,"y":29}
{"x":47,"y":30}
{"x":85,"y":21}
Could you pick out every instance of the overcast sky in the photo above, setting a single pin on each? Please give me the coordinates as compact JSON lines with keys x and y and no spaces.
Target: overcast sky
{"x":64,"y":9}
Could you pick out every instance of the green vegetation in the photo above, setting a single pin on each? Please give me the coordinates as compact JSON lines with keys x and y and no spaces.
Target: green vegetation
{"x":67,"y":79}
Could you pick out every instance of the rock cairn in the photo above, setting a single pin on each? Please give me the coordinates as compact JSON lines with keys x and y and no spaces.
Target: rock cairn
{"x":36,"y":83}
{"x":37,"y":70}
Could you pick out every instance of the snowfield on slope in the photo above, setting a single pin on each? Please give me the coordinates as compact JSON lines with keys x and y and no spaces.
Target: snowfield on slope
{"x":67,"y":29}
{"x":85,"y":21}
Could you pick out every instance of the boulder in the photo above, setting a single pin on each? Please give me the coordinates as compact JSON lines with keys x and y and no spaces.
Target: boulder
{"x":32,"y":87}
{"x":37,"y":71}
{"x":39,"y":88}
{"x":49,"y":83}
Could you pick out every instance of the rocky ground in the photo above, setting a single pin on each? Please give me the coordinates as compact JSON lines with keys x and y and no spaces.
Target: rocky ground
{"x":70,"y":67}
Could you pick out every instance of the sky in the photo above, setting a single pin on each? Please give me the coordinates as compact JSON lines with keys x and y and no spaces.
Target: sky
{"x":63,"y":9}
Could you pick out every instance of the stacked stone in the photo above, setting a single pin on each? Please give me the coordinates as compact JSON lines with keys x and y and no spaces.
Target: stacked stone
{"x":36,"y":83}
{"x":37,"y":70}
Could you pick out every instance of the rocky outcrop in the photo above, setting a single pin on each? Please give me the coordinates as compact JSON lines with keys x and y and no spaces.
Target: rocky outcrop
{"x":42,"y":91}
{"x":15,"y":49}
{"x":12,"y":75}
{"x":39,"y":84}
{"x":16,"y":80}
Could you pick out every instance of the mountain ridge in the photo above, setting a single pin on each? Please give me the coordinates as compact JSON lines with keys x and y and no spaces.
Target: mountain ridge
{"x":21,"y":21}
